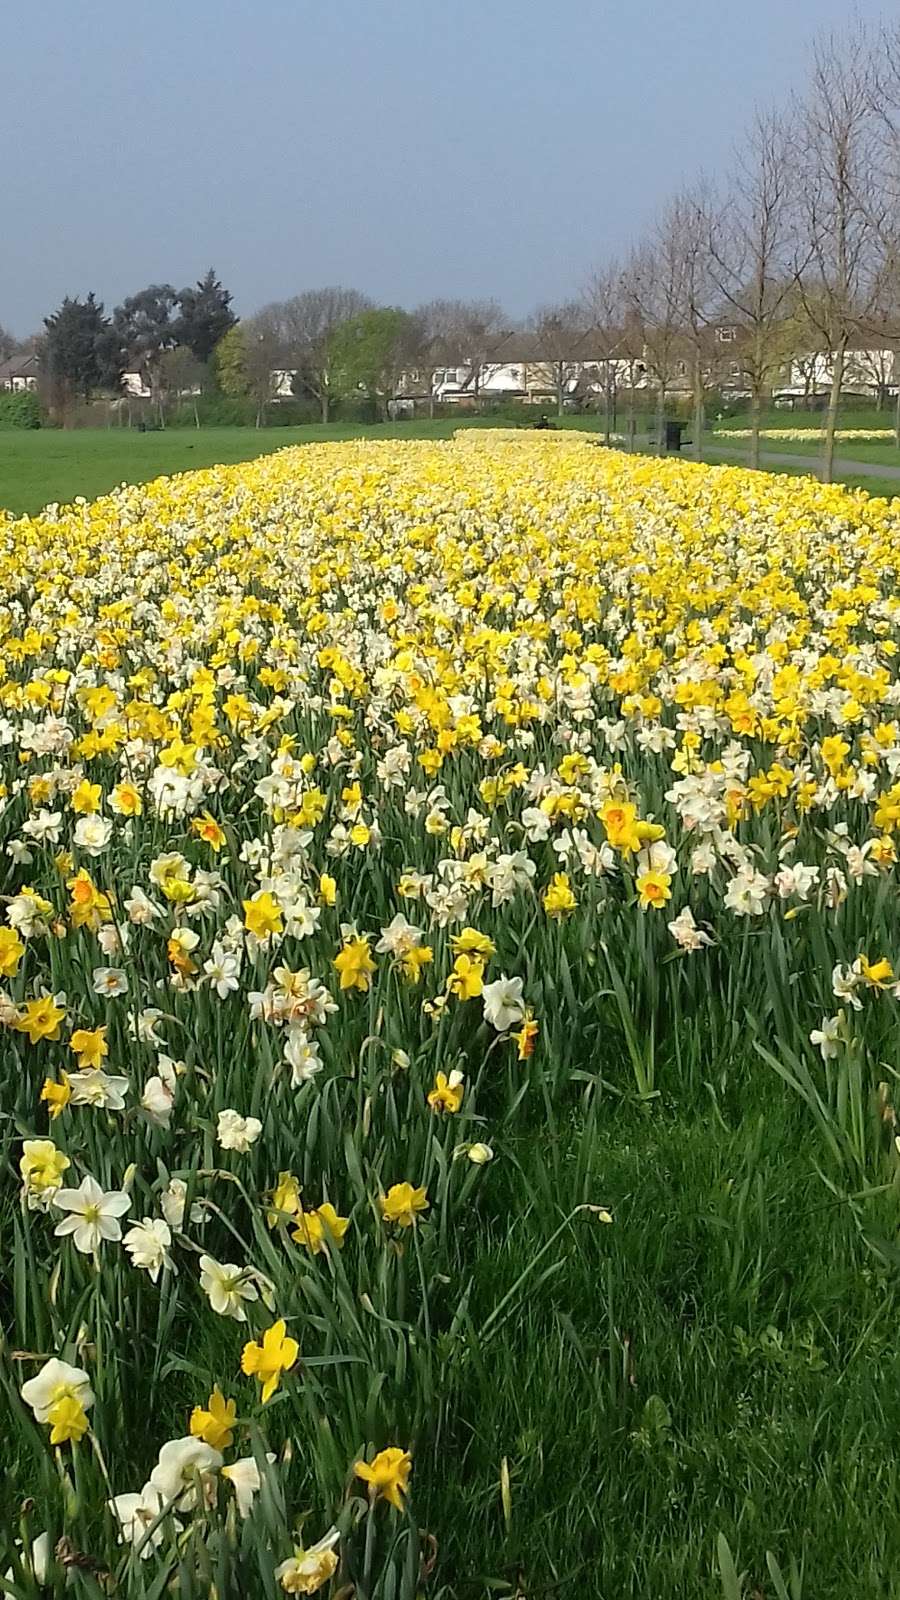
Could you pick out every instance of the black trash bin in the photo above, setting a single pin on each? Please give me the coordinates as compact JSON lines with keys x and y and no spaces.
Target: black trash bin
{"x":674,"y":430}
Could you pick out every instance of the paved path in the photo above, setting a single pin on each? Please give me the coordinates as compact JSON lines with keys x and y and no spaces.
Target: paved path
{"x":771,"y":458}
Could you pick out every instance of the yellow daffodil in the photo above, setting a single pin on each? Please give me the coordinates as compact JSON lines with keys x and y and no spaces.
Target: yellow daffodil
{"x":11,"y":952}
{"x":355,"y":965}
{"x":654,"y":888}
{"x":559,"y":898}
{"x":448,"y":1092}
{"x":68,"y":1420}
{"x":90,"y":1047}
{"x":262,"y":915}
{"x":402,"y":1204}
{"x":213,"y":834}
{"x":266,"y":1361}
{"x":56,"y":1096}
{"x":215,"y":1424}
{"x":40,"y":1019}
{"x":466,"y":981}
{"x":387,"y":1475}
{"x":320,"y":1228}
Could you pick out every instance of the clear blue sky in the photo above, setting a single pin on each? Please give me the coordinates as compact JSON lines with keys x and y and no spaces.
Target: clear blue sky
{"x":409,"y":148}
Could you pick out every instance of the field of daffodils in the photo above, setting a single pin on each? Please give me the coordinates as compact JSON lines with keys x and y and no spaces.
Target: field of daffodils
{"x":449,"y":986}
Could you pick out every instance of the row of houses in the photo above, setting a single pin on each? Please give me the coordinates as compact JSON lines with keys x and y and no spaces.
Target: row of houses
{"x":579,"y":370}
{"x":520,"y":367}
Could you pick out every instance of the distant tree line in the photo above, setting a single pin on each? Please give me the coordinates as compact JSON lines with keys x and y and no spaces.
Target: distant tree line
{"x":165,"y":336}
{"x":319,"y":347}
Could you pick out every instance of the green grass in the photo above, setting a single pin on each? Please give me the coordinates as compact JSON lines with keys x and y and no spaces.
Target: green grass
{"x":850,"y":449}
{"x":53,"y":465}
{"x":37,"y":468}
{"x":884,"y":454}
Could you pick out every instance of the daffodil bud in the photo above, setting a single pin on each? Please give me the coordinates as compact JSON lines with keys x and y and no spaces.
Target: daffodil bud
{"x":480,"y":1154}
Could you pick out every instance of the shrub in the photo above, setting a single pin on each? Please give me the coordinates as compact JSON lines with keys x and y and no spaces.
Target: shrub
{"x":20,"y":409}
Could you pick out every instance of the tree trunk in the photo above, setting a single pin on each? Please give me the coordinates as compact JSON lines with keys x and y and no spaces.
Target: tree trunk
{"x":560,"y":380}
{"x":755,"y":416}
{"x":324,"y":402}
{"x":431,"y":396}
{"x":661,"y":415}
{"x":698,"y":408}
{"x":834,"y":398}
{"x":196,"y":413}
{"x":897,"y":419}
{"x":629,"y":413}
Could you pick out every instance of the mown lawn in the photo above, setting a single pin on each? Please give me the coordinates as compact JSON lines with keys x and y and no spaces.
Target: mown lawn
{"x":51,"y":465}
{"x":37,"y":468}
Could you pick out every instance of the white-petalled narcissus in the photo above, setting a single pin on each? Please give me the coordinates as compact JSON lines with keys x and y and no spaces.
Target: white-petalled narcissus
{"x":333,"y":785}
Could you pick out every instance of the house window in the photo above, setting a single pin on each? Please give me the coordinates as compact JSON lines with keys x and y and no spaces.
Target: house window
{"x":726,"y":335}
{"x":682,"y":369}
{"x":735,"y":369}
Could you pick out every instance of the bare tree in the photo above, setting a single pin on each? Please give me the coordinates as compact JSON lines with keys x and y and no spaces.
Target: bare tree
{"x":306,"y":327}
{"x":559,"y":331}
{"x":683,"y":244}
{"x":654,"y":290}
{"x":749,"y":236}
{"x":438,"y":322}
{"x":183,"y":377}
{"x":262,"y":355}
{"x":842,"y":207}
{"x":617,"y":331}
{"x":463,"y":332}
{"x":9,"y":345}
{"x":885,"y":85}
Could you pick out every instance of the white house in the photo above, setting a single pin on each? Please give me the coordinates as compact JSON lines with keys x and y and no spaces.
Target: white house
{"x":20,"y":373}
{"x":871,"y":368}
{"x":135,"y":386}
{"x":525,"y":368}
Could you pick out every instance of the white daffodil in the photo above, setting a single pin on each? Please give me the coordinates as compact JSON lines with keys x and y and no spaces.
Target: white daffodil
{"x":184,"y":1467}
{"x":398,"y":937}
{"x":93,"y":833}
{"x":44,"y":828}
{"x":244,"y":1477}
{"x":140,"y":909}
{"x":302,"y":1055}
{"x":158,"y":1101}
{"x":172,"y":1203}
{"x":57,"y":1380}
{"x":148,"y":1244}
{"x":93,"y":1214}
{"x":136,"y":1514}
{"x":226,"y":1286}
{"x":235,"y":1132}
{"x":94,"y":1087}
{"x":109,"y":981}
{"x":223,"y":971}
{"x":39,"y":1561}
{"x":828,"y":1037}
{"x":503,"y":1003}
{"x":685,"y":932}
